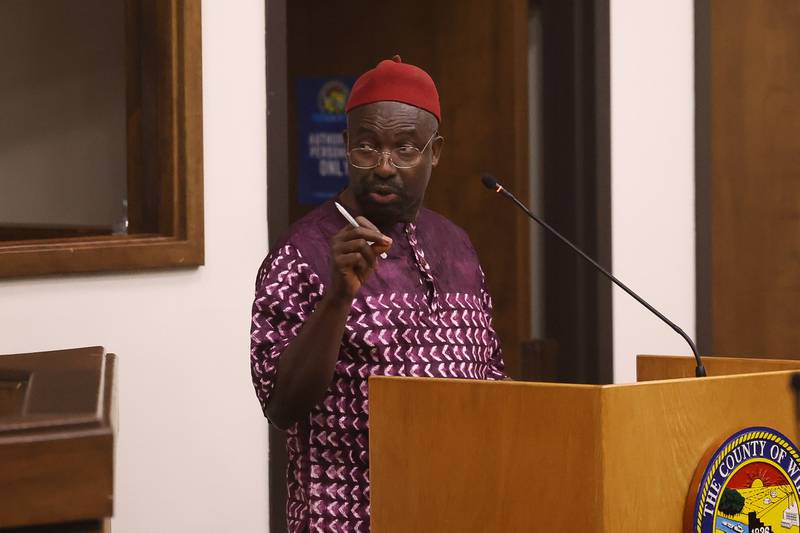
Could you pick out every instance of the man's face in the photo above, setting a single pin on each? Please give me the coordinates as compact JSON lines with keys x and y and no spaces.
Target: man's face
{"x":385,"y":194}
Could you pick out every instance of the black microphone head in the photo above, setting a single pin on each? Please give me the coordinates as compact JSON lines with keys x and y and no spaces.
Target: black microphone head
{"x":489,"y":181}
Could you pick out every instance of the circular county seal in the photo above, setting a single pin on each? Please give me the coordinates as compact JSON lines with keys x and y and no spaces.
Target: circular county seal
{"x":332,"y":97}
{"x":749,"y":485}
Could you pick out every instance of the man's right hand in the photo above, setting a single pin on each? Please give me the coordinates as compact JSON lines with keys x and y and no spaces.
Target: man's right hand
{"x":353,"y":260}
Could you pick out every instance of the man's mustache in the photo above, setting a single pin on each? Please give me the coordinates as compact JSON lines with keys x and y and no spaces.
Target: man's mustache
{"x":383,"y":188}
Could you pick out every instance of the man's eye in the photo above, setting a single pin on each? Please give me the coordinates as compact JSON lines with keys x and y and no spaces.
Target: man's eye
{"x":407,"y":149}
{"x":368,"y":146}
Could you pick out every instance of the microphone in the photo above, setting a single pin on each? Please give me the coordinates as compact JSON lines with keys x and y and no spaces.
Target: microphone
{"x":490,"y":182}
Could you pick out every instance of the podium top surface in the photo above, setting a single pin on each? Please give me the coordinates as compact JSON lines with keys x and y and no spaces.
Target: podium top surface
{"x":57,"y":391}
{"x":659,"y":367}
{"x":675,"y":369}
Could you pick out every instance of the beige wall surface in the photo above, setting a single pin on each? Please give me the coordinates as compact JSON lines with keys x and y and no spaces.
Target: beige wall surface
{"x":652,"y":176}
{"x":62,"y":103}
{"x":191,"y":453}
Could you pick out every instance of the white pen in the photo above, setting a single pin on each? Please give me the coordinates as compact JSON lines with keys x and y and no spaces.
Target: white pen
{"x":353,"y":222}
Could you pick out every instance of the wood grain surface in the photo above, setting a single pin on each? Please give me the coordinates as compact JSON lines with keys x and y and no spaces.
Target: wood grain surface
{"x":652,"y":367}
{"x":461,"y":456}
{"x":469,"y":456}
{"x":755,"y":177}
{"x":57,"y":444}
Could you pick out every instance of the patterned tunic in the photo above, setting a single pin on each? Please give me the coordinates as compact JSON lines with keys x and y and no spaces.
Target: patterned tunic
{"x":424,"y":312}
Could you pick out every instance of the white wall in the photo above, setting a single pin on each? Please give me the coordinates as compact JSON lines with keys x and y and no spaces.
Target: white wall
{"x":191,"y":454}
{"x":652,"y":169}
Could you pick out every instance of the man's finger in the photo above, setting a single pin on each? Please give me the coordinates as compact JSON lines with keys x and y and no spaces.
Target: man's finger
{"x":357,"y":245}
{"x":365,"y":222}
{"x":381,"y":247}
{"x":341,"y":235}
{"x":356,"y":262}
{"x":365,"y":233}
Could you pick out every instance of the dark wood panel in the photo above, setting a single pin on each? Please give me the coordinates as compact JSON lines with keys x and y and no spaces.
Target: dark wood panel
{"x":153,"y":88}
{"x":576,"y":132}
{"x":476,"y":51}
{"x":26,"y":232}
{"x":140,"y":216}
{"x":91,"y":526}
{"x":57,"y":444}
{"x":702,"y":173}
{"x":278,"y":206}
{"x":755,"y":177}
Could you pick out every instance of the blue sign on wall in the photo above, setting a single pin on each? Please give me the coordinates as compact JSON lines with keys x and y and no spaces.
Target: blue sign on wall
{"x":322,"y":169}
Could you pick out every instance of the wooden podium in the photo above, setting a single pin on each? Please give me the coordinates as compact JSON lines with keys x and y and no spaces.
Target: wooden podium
{"x":476,"y":456}
{"x":57,"y":426}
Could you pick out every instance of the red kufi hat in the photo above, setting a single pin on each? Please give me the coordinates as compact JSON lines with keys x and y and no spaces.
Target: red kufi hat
{"x":393,"y":80}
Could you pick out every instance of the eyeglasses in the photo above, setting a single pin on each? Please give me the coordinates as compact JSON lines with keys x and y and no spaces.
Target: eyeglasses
{"x":401,"y":157}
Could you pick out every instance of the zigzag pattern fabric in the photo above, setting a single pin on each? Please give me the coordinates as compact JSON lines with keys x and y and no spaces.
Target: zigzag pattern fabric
{"x":421,"y":314}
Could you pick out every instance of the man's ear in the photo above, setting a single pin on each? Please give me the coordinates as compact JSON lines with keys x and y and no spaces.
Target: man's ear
{"x":436,"y":149}
{"x":344,"y":136}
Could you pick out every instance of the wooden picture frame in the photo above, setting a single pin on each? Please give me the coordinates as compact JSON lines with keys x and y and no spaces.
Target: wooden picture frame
{"x":164,"y":160}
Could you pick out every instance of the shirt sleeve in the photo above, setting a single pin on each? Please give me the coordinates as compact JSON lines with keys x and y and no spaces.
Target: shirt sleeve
{"x":497,"y":365}
{"x":287,"y":290}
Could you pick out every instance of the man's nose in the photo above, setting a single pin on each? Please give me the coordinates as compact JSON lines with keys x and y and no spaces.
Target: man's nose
{"x":385,"y":169}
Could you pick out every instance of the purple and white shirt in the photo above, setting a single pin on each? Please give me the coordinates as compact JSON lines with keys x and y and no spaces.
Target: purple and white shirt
{"x":424,"y":312}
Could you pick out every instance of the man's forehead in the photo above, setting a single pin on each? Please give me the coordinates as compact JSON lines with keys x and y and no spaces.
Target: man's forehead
{"x":389,"y":113}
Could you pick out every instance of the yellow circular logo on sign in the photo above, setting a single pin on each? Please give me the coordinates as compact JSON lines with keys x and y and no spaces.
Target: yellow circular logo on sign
{"x":750,"y":485}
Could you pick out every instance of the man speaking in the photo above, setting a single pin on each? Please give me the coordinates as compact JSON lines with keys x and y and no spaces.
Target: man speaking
{"x":401,"y":294}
